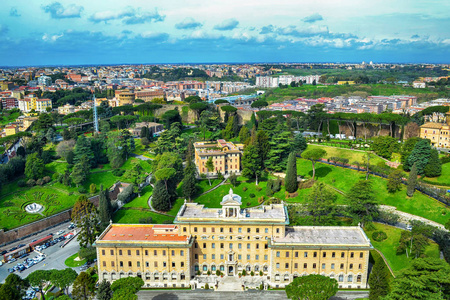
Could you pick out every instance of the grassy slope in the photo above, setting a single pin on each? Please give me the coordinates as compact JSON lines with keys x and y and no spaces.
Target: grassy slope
{"x":351,"y":155}
{"x":388,"y":247}
{"x":133,"y":216}
{"x":344,"y":179}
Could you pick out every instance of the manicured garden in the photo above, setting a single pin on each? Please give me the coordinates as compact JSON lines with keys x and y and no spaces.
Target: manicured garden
{"x":71,"y":262}
{"x":343,"y":179}
{"x":389,"y":247}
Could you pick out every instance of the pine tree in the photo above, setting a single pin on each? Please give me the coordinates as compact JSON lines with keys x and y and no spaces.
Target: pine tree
{"x":236,"y":126}
{"x":160,"y":198}
{"x":290,"y":182}
{"x":228,"y":131}
{"x":379,"y":280}
{"x":434,"y":166}
{"x":83,"y":147}
{"x":320,"y":204}
{"x":420,"y":155}
{"x":269,"y":187}
{"x":299,"y":145}
{"x":412,"y":180}
{"x":104,"y":206}
{"x":104,"y":291}
{"x":251,"y":163}
{"x":362,"y":205}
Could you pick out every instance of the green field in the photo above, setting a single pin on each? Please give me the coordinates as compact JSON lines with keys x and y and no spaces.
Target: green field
{"x":388,"y":247}
{"x":317,"y":91}
{"x":132,"y":216}
{"x":141,"y":201}
{"x":351,"y":155}
{"x":344,"y":179}
{"x":6,"y":118}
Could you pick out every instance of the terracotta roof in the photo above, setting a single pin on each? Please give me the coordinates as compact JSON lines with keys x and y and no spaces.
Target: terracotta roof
{"x":140,"y":232}
{"x":432,"y":125}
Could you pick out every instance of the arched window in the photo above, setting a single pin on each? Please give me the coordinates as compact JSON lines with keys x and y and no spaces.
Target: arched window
{"x":350,"y":278}
{"x":286,"y":276}
{"x":358,"y":279}
{"x":213,"y":268}
{"x":265,"y":268}
{"x":222,"y":268}
{"x":248,"y":268}
{"x":256,"y":268}
{"x":205,"y":268}
{"x":341,"y":278}
{"x":196,"y":268}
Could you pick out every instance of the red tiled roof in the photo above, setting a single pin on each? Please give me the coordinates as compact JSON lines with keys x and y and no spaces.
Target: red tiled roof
{"x":120,"y":232}
{"x":48,"y":237}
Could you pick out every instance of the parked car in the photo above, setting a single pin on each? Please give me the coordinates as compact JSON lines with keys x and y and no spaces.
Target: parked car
{"x":3,"y":252}
{"x":11,"y":270}
{"x":21,"y":245}
{"x":60,"y":232}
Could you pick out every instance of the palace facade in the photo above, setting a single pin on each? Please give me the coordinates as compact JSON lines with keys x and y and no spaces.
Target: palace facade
{"x":232,"y":241}
{"x":226,"y":157}
{"x":437,"y":133}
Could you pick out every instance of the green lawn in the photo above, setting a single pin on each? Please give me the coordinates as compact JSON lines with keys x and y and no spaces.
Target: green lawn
{"x":213,"y":199}
{"x":12,"y":213}
{"x":344,"y":179}
{"x":351,"y":155}
{"x":445,"y":175}
{"x":132,"y":216}
{"x":388,"y":247}
{"x":145,"y":164}
{"x":143,"y":200}
{"x":6,"y":118}
{"x":70,"y":262}
{"x":176,"y":207}
{"x":202,"y":186}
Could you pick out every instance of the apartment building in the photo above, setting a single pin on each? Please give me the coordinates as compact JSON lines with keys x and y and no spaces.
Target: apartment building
{"x":230,"y":240}
{"x":226,"y":156}
{"x":437,"y":133}
{"x":30,"y":103}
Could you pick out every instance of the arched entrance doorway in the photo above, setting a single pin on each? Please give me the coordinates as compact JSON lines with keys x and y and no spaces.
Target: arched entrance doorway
{"x":230,"y":271}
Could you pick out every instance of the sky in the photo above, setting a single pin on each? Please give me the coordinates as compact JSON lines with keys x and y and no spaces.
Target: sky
{"x":69,"y":32}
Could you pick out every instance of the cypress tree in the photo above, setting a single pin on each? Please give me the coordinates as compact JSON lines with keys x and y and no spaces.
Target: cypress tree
{"x":269,"y":187}
{"x":160,"y":198}
{"x":104,"y":206}
{"x":144,"y":132}
{"x":378,"y":280}
{"x":412,"y":180}
{"x":104,"y":291}
{"x":434,"y":167}
{"x":290,"y":181}
{"x":189,"y":181}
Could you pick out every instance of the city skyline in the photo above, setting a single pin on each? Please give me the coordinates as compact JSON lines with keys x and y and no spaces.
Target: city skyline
{"x":83,"y":32}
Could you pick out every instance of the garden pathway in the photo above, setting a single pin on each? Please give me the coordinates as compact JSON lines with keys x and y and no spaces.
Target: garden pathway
{"x":141,"y":157}
{"x":212,"y":189}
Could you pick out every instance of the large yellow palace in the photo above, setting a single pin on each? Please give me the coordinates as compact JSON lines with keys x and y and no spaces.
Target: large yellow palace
{"x":230,"y":239}
{"x":437,"y":133}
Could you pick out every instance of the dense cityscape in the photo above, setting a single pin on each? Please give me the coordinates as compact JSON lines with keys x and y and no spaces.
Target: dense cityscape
{"x":162,"y":153}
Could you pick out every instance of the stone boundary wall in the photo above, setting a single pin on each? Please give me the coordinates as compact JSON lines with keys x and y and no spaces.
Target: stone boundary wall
{"x":43,"y":224}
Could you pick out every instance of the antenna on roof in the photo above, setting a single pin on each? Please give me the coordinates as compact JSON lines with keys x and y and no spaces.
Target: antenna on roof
{"x":95,"y":114}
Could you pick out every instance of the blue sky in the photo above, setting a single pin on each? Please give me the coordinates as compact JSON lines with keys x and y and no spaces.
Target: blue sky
{"x":152,"y":31}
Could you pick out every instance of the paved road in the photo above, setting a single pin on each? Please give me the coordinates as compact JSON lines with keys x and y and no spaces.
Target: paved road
{"x":214,"y":295}
{"x":38,"y":236}
{"x":55,"y":258}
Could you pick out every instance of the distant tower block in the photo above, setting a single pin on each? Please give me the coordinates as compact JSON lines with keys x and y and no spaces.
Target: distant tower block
{"x":95,"y":115}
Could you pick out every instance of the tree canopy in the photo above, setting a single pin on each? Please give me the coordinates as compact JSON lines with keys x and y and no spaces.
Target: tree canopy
{"x":312,"y":287}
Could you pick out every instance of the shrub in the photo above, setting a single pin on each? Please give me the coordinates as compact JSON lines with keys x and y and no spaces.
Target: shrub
{"x":206,"y":286}
{"x":217,"y":273}
{"x":379,"y":236}
{"x":92,"y":188}
{"x":47,"y":179}
{"x":208,"y":273}
{"x":82,"y":190}
{"x":261,"y":274}
{"x":89,"y":253}
{"x":31,"y":182}
{"x":147,"y":220}
{"x":276,"y":186}
{"x":251,"y":195}
{"x":21,"y":183}
{"x":118,"y":172}
{"x":198,"y":273}
{"x":244,"y":188}
{"x":249,"y":203}
{"x":244,"y":272}
{"x":39,"y":181}
{"x":252,"y":273}
{"x":306,"y":184}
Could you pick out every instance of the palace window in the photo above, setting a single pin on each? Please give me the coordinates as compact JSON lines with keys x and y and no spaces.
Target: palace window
{"x":112,"y":264}
{"x":315,"y":254}
{"x":341,"y":278}
{"x":305,"y":254}
{"x":361,"y":254}
{"x":137,"y":252}
{"x":324,"y":254}
{"x":103,"y":252}
{"x":278,"y":265}
{"x":121,"y":264}
{"x":278,"y":253}
{"x":287,"y":254}
{"x":130,"y":264}
{"x":204,"y":245}
{"x":120,"y":252}
{"x":256,"y":257}
{"x":296,"y":266}
{"x":164,"y":252}
{"x":248,"y":245}
{"x":112,"y":252}
{"x":332,"y":266}
{"x":204,"y":256}
{"x":314,"y":266}
{"x":286,"y":266}
{"x":342,"y":266}
{"x":213,"y":256}
{"x":352,"y":254}
{"x":265,"y":257}
{"x":342,"y":254}
{"x":155,"y":252}
{"x":266,"y":230}
{"x":305,"y":266}
{"x":350,"y":278}
{"x":129,"y":252}
{"x":248,"y":256}
{"x":296,"y":254}
{"x":146,"y":252}
{"x":221,"y":245}
{"x":350,"y":266}
{"x":333,"y":254}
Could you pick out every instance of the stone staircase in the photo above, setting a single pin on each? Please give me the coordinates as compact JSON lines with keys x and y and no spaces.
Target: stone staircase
{"x":229,"y":283}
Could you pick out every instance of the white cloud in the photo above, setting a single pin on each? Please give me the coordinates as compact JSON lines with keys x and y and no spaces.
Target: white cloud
{"x":58,"y":11}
